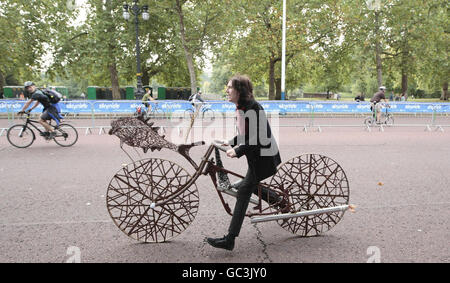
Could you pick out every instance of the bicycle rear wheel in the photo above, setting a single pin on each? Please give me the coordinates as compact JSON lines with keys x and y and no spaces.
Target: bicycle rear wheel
{"x":208,"y":114}
{"x":159,"y":113}
{"x":66,"y":135}
{"x":20,"y":136}
{"x":312,"y":182}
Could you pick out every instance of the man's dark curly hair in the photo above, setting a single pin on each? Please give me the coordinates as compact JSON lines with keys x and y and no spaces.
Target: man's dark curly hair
{"x":244,"y":87}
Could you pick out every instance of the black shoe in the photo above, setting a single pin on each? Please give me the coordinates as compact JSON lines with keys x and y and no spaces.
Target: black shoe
{"x":284,"y":207}
{"x":226,"y":243}
{"x":44,"y":134}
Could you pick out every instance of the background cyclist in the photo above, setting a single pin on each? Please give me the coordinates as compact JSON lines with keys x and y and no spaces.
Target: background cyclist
{"x":50,"y":111}
{"x":196,"y":98}
{"x":375,"y":101}
{"x":148,"y":97}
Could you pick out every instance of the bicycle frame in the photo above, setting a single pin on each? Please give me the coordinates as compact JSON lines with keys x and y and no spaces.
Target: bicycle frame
{"x":208,"y":167}
{"x":32,"y":123}
{"x":384,"y":114}
{"x":155,"y":106}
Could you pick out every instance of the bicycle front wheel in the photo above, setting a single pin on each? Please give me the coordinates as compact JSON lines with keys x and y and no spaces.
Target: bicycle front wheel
{"x":369,"y":121}
{"x":20,"y":136}
{"x":134,"y":189}
{"x":66,"y":135}
{"x":389,"y":120}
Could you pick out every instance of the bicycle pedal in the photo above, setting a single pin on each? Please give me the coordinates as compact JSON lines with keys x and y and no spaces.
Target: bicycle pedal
{"x":258,"y":207}
{"x":224,"y":189}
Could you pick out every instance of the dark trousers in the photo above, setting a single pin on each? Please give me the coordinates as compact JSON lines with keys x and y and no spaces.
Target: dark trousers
{"x":245,"y":189}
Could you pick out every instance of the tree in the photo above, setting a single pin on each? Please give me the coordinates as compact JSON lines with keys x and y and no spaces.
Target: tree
{"x":314,"y":31}
{"x":27,"y":32}
{"x":220,"y":76}
{"x":200,"y":24}
{"x":432,"y":61}
{"x":93,"y":49}
{"x":406,"y":46}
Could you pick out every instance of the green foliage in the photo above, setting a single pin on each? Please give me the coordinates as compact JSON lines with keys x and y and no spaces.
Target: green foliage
{"x":28,"y":31}
{"x":330,"y":44}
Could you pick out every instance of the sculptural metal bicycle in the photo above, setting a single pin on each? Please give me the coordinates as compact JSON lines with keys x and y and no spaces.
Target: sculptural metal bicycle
{"x":154,"y":200}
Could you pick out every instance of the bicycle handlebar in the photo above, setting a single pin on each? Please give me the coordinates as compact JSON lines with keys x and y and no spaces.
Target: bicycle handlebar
{"x":219,"y":146}
{"x":27,"y":113}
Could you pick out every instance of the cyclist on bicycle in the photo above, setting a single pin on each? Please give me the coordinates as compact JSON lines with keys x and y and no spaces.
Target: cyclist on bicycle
{"x":50,"y":110}
{"x":140,"y":110}
{"x":148,"y":97}
{"x":196,"y":98}
{"x":375,"y":102}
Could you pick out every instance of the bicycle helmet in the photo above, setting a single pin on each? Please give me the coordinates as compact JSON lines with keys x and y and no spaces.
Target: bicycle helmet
{"x":382,"y":88}
{"x":27,"y":84}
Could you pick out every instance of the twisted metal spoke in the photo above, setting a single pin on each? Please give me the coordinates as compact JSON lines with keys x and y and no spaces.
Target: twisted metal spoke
{"x":313,"y":182}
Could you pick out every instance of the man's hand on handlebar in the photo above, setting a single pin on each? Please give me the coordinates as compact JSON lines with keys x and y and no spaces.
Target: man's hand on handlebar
{"x":222,"y":142}
{"x":20,"y":113}
{"x":23,"y":112}
{"x":231,"y":153}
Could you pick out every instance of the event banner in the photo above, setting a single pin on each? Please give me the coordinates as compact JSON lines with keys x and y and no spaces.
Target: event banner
{"x":281,"y":107}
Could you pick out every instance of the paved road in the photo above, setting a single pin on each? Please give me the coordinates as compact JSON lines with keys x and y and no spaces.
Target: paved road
{"x":53,"y":198}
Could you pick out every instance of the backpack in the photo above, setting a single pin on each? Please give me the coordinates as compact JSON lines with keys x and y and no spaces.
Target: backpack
{"x":53,"y":95}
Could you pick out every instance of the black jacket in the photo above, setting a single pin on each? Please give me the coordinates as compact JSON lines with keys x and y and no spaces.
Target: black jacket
{"x":257,"y":144}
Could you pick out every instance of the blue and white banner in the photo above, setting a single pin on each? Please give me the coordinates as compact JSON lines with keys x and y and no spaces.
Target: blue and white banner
{"x":179,"y":106}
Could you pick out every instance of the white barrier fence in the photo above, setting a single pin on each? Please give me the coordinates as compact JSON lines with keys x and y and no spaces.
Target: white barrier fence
{"x":96,"y":110}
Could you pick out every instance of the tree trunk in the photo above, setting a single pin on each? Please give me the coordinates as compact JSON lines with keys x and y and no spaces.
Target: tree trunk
{"x":445,"y":94}
{"x":112,"y":66}
{"x":187,"y":52}
{"x":2,"y":84}
{"x":378,"y":50}
{"x":145,"y":77}
{"x":405,"y":83}
{"x":272,"y":79}
{"x":114,"y":81}
{"x":278,"y":89}
{"x":405,"y":64}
